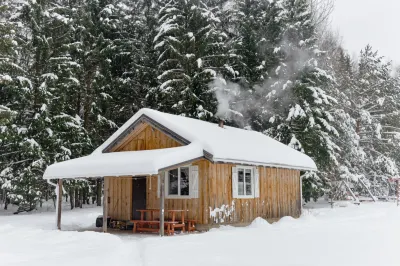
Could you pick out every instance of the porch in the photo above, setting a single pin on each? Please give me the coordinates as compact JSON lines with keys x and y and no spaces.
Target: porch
{"x":150,"y":222}
{"x":134,"y":186}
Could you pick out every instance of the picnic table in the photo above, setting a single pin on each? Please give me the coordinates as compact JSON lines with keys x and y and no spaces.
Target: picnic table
{"x":153,"y":225}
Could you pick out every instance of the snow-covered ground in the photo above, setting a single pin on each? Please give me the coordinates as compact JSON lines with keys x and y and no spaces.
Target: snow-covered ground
{"x":366,"y":235}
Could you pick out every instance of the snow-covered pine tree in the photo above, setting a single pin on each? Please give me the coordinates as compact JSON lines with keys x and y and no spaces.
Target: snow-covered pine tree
{"x":80,"y":83}
{"x":349,"y":156}
{"x":255,"y":28}
{"x":134,"y":59}
{"x":297,"y":107}
{"x":15,"y":87}
{"x":42,"y":132}
{"x":193,"y":52}
{"x":92,"y":42}
{"x":8,"y":87}
{"x":8,"y":57}
{"x":376,"y":104}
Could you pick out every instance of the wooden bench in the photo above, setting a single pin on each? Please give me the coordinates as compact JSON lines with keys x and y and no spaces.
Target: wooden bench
{"x":191,"y":225}
{"x":170,"y":227}
{"x":154,"y":226}
{"x":138,"y":226}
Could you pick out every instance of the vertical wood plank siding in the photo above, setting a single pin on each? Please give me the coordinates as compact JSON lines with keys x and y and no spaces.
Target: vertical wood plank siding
{"x":279,"y":188}
{"x":195,"y":207}
{"x":279,"y":196}
{"x":120,"y":188}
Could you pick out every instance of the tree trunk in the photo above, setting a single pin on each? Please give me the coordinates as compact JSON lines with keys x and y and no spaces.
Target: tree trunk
{"x":71,"y":198}
{"x":5,"y":200}
{"x":77,"y":198}
{"x":88,"y":97}
{"x":81,"y":197}
{"x":98,"y":190}
{"x":358,"y":126}
{"x":87,"y":196}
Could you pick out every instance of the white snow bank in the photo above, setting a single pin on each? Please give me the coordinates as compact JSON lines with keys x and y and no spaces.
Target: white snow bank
{"x":259,"y":223}
{"x":226,"y":144}
{"x":28,"y":239}
{"x":128,"y":163}
{"x":365,"y":235}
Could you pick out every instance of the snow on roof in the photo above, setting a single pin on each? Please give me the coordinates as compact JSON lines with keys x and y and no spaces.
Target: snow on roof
{"x":228,"y":144}
{"x":127,"y":163}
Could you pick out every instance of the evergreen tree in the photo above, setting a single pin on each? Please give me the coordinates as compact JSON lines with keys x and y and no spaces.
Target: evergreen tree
{"x":42,"y":132}
{"x":376,"y":103}
{"x":255,"y":34}
{"x":134,"y":58}
{"x":71,"y":71}
{"x":193,"y":53}
{"x":298,"y":103}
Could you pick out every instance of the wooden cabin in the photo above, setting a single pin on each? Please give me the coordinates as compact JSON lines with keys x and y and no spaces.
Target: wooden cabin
{"x":219,"y":174}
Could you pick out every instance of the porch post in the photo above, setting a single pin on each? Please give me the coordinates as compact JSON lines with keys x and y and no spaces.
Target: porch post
{"x":59,"y":201}
{"x":105,"y":204}
{"x":301,"y":195}
{"x":162,"y":195}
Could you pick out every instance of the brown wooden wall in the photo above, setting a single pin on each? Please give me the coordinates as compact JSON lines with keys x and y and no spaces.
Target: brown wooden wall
{"x":195,"y":207}
{"x":120,"y":194}
{"x":144,"y":137}
{"x":279,"y":196}
{"x":279,"y":188}
{"x":147,"y":138}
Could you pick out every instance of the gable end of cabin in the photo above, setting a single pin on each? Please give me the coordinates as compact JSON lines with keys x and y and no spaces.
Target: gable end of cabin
{"x":136,"y":127}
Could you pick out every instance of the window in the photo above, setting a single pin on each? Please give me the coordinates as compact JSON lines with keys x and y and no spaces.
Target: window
{"x":178,"y":182}
{"x":182,"y":182}
{"x":245,"y":182}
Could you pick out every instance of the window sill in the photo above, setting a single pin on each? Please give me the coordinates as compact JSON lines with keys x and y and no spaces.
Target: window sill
{"x":177,"y":197}
{"x":244,"y":197}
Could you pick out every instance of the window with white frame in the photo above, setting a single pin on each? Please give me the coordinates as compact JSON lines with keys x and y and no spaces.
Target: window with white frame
{"x":181,"y":182}
{"x":177,"y":183}
{"x":245,"y":182}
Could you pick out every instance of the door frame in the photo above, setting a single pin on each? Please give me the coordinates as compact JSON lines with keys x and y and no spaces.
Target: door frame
{"x":141,"y":179}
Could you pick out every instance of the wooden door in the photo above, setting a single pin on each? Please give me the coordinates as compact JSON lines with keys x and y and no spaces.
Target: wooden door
{"x":138,"y":196}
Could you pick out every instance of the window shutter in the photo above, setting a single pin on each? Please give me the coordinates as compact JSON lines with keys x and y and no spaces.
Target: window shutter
{"x":234,"y":182}
{"x":194,"y":182}
{"x":256,"y":182}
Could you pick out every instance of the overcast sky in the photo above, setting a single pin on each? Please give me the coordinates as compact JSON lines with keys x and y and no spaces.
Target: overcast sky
{"x":374,"y":22}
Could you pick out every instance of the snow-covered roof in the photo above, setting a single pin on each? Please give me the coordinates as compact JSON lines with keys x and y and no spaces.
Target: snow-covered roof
{"x":228,"y":144}
{"x":204,"y":139}
{"x":127,"y":163}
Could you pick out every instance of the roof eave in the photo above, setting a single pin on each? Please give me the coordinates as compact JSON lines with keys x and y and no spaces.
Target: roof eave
{"x":266,"y":164}
{"x":145,"y":119}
